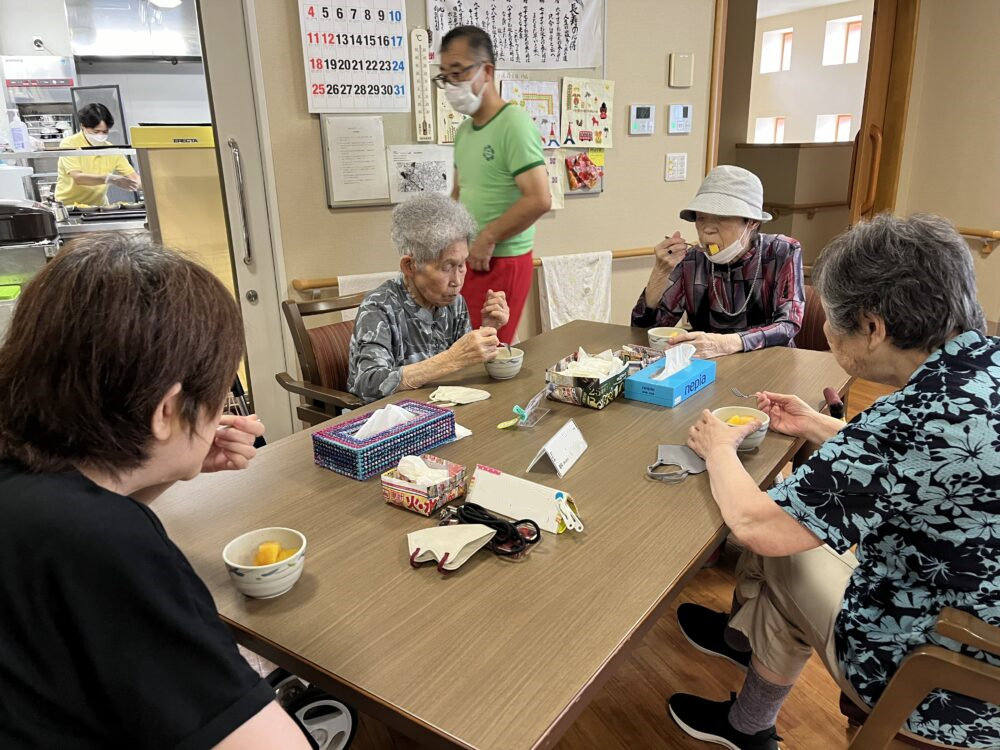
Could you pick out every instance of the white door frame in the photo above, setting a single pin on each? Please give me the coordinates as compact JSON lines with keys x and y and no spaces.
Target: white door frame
{"x":236,"y":96}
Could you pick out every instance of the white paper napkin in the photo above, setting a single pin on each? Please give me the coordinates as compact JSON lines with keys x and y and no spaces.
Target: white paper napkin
{"x":414,"y":469}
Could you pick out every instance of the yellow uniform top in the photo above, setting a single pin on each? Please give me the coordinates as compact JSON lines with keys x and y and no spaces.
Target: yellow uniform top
{"x":68,"y":192}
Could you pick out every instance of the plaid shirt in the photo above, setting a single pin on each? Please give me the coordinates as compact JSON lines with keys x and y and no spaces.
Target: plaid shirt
{"x":707,"y":292}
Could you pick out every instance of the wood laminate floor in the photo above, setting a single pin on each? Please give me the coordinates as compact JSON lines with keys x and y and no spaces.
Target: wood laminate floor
{"x":629,"y":712}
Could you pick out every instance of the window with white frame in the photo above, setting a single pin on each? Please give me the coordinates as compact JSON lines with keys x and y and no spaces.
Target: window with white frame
{"x":776,"y":51}
{"x":769,"y":130}
{"x":843,"y":41}
{"x":833,"y":128}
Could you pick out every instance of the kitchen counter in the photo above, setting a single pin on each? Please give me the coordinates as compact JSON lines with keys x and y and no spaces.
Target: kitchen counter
{"x":74,"y":226}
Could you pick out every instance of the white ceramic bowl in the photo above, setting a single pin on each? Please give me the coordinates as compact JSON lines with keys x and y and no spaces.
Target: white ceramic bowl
{"x":754,"y":439}
{"x":506,"y":365}
{"x":660,"y":337}
{"x":264,"y":581}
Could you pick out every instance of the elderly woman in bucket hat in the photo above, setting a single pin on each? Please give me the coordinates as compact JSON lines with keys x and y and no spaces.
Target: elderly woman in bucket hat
{"x":741,"y":290}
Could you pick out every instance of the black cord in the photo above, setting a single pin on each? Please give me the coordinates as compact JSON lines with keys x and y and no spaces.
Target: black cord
{"x":509,"y":541}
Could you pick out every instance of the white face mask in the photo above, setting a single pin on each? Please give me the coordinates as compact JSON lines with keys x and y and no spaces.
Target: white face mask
{"x":461,"y":97}
{"x":96,"y":139}
{"x":733,"y":251}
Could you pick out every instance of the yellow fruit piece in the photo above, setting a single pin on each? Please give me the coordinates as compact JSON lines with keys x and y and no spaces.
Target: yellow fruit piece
{"x":739,"y":421}
{"x":267,"y":553}
{"x":285,"y":554}
{"x":713,"y":249}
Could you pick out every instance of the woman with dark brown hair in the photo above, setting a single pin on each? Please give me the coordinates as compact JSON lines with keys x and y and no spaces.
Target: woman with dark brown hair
{"x":112,"y":381}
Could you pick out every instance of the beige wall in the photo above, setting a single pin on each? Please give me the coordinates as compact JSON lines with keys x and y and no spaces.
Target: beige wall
{"x":809,"y":88}
{"x":636,"y":209}
{"x":951,"y":158}
{"x":805,"y":174}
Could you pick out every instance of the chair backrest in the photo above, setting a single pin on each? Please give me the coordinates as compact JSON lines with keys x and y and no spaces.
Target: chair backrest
{"x":322,"y":351}
{"x":810,"y":335}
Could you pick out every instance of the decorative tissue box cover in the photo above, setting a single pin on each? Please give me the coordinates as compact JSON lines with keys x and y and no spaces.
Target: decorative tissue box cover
{"x":337,"y":449}
{"x":424,"y":500}
{"x":670,"y":391}
{"x":591,"y":392}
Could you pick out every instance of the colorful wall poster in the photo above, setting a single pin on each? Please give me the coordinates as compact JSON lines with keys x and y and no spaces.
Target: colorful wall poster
{"x":582,"y":175}
{"x":587,"y":113}
{"x":540,"y":99}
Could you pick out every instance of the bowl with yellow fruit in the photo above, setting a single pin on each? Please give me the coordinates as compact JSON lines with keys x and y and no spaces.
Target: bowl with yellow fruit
{"x":266,"y":562}
{"x":737,"y":416}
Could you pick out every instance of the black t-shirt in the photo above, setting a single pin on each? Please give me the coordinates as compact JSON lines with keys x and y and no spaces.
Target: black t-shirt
{"x":108,"y":638}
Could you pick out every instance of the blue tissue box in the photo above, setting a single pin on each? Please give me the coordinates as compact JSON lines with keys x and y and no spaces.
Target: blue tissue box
{"x":670,"y":391}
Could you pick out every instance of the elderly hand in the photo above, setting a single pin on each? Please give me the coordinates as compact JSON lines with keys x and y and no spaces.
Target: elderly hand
{"x":495,"y":312}
{"x":232,"y":447}
{"x":481,"y":252}
{"x":788,"y":414}
{"x":709,"y":434}
{"x":710,"y":345}
{"x":475,"y":347}
{"x":670,"y":252}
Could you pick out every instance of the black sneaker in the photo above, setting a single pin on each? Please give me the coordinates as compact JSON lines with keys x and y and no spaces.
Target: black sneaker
{"x":705,"y":630}
{"x":709,"y":721}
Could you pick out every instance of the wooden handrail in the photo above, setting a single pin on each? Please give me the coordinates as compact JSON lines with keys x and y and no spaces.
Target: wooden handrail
{"x":809,"y":208}
{"x":990,"y":234}
{"x":305,"y":285}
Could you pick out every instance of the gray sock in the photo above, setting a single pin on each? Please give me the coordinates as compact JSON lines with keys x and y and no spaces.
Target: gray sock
{"x":757,"y":705}
{"x":733,"y":637}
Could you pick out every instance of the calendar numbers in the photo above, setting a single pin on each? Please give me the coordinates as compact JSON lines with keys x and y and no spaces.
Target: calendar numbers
{"x":355,"y":56}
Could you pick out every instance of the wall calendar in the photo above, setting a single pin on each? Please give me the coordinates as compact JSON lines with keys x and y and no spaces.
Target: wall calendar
{"x":355,"y":55}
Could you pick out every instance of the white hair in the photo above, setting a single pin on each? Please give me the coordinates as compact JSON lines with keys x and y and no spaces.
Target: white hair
{"x":425,"y":226}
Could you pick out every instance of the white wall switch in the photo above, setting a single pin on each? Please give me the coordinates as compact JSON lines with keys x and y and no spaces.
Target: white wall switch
{"x":679,"y":119}
{"x":681,"y":74}
{"x":677,"y":168}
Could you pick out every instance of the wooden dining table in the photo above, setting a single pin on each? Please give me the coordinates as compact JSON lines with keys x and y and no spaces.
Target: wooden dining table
{"x":500,"y":653}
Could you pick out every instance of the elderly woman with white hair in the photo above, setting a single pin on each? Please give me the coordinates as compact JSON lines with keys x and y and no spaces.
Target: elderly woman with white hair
{"x":415,"y":329}
{"x":913,"y":482}
{"x":741,"y":289}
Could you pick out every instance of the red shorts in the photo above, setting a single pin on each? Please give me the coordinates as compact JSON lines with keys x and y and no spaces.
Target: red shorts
{"x":512,"y":275}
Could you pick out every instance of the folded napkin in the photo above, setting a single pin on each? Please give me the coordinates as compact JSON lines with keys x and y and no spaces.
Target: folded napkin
{"x":384,"y":419}
{"x":415,"y":469}
{"x":601,"y":365}
{"x":675,"y":359}
{"x":458,"y":394}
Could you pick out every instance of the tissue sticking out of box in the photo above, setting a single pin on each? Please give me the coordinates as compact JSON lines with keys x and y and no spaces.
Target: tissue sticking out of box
{"x":415,"y":469}
{"x":676,"y":359}
{"x":384,"y":419}
{"x":598,"y":366}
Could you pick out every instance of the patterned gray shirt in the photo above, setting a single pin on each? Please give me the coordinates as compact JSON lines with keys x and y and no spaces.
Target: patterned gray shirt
{"x":391,"y":331}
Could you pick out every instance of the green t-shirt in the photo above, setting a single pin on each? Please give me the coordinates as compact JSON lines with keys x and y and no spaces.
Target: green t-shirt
{"x":488,"y":158}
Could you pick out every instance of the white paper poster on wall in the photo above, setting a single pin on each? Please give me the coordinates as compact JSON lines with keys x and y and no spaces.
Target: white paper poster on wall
{"x":588,"y":107}
{"x":538,"y":34}
{"x":418,"y":169}
{"x":448,"y":119}
{"x":355,"y":158}
{"x":540,"y":99}
{"x":554,"y":166}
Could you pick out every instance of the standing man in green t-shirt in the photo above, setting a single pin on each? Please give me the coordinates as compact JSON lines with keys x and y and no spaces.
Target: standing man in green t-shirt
{"x":500,"y":175}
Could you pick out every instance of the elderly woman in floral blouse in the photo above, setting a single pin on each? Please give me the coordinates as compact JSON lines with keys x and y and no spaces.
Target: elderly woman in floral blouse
{"x":914,"y":482}
{"x":415,"y":328}
{"x":741,"y":290}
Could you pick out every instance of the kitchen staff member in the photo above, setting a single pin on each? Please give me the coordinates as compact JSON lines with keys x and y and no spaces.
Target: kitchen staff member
{"x":84,"y":180}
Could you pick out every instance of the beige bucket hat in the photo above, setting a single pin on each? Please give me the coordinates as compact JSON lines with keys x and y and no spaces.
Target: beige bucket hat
{"x":729,"y":191}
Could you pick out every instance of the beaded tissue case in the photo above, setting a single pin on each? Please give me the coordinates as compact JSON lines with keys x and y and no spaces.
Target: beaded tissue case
{"x":337,"y":449}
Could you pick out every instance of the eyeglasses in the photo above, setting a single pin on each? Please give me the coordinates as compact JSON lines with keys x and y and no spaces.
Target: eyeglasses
{"x":455,"y":77}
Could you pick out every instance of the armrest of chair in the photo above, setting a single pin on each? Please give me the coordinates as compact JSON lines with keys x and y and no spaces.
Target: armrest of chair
{"x":338,"y":399}
{"x":969,"y":630}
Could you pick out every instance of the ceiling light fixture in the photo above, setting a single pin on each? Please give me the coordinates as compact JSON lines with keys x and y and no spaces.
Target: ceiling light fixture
{"x":165,"y":4}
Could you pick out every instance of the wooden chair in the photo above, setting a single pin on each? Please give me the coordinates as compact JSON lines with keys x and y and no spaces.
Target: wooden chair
{"x":810,"y":335}
{"x":927,"y":668}
{"x":323,"y":358}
